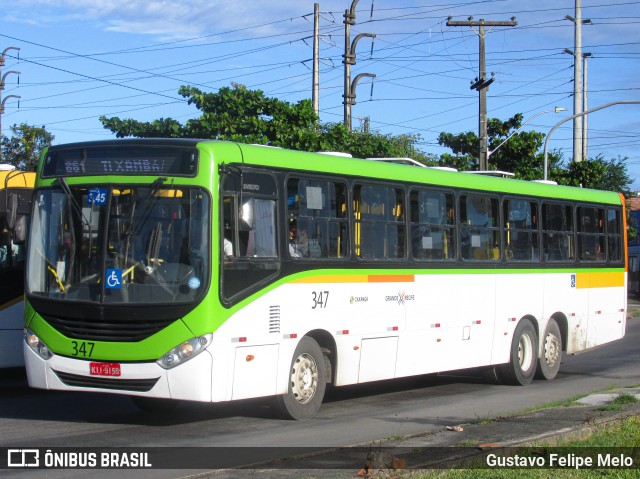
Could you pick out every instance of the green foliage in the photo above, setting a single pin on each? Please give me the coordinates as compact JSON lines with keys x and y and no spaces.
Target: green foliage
{"x":234,"y":114}
{"x":23,"y":148}
{"x":598,"y":173}
{"x":516,"y":152}
{"x":509,"y":150}
{"x":248,"y":116}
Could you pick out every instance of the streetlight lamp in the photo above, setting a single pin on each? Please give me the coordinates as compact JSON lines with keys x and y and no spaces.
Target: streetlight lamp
{"x":606,"y":105}
{"x":4,"y":100}
{"x":555,"y":110}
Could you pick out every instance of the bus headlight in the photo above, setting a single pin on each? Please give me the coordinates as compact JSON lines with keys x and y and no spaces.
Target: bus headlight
{"x":37,"y":345}
{"x":183,"y":352}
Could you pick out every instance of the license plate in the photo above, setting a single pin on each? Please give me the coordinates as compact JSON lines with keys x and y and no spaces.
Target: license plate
{"x":104,"y":369}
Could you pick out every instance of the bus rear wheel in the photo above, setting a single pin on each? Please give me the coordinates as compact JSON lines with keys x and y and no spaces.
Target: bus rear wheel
{"x":549,"y":362}
{"x":307,"y":382}
{"x":521,"y":368}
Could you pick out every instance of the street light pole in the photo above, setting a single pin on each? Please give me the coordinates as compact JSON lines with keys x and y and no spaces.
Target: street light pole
{"x":555,"y":110}
{"x":586,"y":112}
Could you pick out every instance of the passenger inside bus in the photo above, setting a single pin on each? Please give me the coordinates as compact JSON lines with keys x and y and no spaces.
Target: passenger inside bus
{"x":298,"y":241}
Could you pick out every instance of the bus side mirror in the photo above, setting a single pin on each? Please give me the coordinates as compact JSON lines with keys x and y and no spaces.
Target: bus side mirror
{"x":12,"y":210}
{"x":20,"y":230}
{"x":246,"y":216}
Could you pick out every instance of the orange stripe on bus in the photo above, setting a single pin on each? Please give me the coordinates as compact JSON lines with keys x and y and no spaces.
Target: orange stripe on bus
{"x":391,"y":278}
{"x":599,"y":280}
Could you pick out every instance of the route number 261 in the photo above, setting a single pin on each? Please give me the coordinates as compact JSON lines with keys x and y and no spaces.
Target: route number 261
{"x":319,"y":299}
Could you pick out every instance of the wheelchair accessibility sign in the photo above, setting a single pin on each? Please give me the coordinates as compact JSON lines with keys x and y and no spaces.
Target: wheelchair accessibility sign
{"x":113,"y":279}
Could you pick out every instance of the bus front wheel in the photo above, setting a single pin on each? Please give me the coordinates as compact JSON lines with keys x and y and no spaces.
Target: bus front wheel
{"x":307,"y":382}
{"x":549,"y":362}
{"x":520,"y":369}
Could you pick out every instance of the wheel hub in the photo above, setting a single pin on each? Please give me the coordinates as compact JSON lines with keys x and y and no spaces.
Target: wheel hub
{"x":304,"y":378}
{"x":525,"y":352}
{"x":551,"y":350}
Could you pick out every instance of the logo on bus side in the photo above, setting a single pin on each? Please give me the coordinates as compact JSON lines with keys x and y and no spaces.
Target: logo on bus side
{"x":573,"y":280}
{"x":358,"y":299}
{"x":401,"y":298}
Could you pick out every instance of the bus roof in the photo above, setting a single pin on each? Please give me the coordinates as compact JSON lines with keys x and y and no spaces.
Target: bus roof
{"x":258,"y":155}
{"x":16,"y":179}
{"x":427,"y":176}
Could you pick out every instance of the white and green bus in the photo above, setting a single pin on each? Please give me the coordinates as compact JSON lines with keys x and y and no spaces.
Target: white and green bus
{"x":213,"y":271}
{"x":16,"y":188}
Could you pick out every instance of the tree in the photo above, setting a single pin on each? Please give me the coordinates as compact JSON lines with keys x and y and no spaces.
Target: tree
{"x":23,"y":148}
{"x":234,"y":114}
{"x":248,"y":116}
{"x":512,"y":152}
{"x":516,"y":153}
{"x":598,"y":173}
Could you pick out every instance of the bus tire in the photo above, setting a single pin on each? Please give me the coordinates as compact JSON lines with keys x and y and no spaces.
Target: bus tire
{"x":155,"y":405}
{"x":549,"y":361}
{"x":521,"y":368}
{"x":307,"y":382}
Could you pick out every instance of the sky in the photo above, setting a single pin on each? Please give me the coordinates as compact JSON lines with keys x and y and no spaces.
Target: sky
{"x":80,"y":59}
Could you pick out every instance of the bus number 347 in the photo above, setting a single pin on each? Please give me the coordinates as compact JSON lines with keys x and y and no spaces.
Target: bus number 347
{"x":83,"y":348}
{"x":320,"y":299}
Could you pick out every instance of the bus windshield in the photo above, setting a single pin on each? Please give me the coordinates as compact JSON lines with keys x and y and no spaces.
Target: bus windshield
{"x":130,"y":244}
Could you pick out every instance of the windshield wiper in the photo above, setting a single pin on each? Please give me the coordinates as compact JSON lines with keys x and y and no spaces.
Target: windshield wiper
{"x":64,"y":186}
{"x":146,"y":212}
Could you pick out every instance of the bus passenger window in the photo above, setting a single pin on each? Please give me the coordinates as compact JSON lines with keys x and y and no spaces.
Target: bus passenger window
{"x":614,"y":235}
{"x":591,"y":236}
{"x":479,"y":233}
{"x":557,"y":236}
{"x":432,"y":225}
{"x":521,"y":230}
{"x":317,"y":209}
{"x":379,"y":222}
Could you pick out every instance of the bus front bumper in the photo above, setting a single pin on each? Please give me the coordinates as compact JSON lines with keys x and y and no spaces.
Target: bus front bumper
{"x":191,"y":380}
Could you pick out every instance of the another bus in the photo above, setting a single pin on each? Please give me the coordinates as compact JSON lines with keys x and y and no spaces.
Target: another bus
{"x":214,"y":271}
{"x":16,"y":188}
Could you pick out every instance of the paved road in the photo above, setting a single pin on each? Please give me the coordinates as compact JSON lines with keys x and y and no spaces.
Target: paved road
{"x":352,"y":415}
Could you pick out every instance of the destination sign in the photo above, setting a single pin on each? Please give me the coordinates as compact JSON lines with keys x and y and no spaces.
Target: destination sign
{"x":121,"y":160}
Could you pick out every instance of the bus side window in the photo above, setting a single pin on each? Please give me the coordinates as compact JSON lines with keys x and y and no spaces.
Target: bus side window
{"x":317,"y":218}
{"x":614,"y":235}
{"x":379,"y":222}
{"x":432,"y":228}
{"x":521,"y":230}
{"x":258,"y":219}
{"x":591,"y":236}
{"x":479,"y":233}
{"x":557,"y":227}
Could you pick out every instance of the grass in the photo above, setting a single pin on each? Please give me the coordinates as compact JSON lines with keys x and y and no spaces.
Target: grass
{"x":633,"y":312}
{"x":625,"y":398}
{"x":572,"y":401}
{"x":618,"y":403}
{"x":622,"y":433}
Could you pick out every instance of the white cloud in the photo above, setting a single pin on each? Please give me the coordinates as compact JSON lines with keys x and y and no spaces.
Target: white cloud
{"x":166,"y":18}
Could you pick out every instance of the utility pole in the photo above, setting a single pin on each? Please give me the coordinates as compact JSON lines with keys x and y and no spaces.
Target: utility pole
{"x":481,"y":83}
{"x":585,"y":107}
{"x":577,"y":81}
{"x":2,"y":78}
{"x":315,"y":92}
{"x":350,"y":59}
